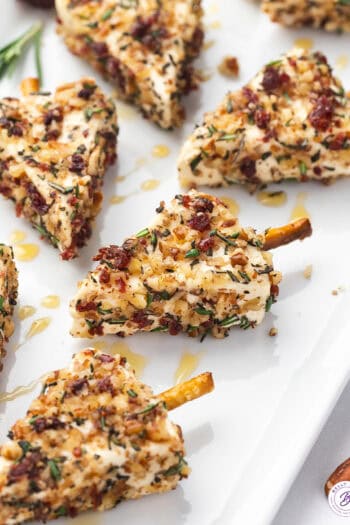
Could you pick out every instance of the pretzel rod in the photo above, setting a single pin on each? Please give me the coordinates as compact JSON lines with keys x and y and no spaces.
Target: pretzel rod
{"x":298,"y":229}
{"x":188,"y":391}
{"x":29,"y":85}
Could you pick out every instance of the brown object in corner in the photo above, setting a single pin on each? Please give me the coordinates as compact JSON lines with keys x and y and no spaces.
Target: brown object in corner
{"x":341,"y":473}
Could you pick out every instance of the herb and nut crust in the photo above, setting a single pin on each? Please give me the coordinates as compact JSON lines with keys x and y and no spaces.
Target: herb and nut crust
{"x":332,"y":15}
{"x":195,"y":270}
{"x":8,"y":296}
{"x":95,"y":435}
{"x":55,"y":150}
{"x":145,"y":47}
{"x":290,"y":122}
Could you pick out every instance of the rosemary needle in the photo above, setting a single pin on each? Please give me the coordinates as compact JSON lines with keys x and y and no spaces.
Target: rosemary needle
{"x":11,"y":52}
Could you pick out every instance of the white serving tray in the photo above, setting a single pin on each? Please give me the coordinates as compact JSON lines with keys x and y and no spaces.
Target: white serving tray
{"x":246,"y":441}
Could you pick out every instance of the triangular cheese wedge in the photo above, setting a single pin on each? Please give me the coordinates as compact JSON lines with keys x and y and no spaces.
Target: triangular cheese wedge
{"x":195,"y":269}
{"x":55,"y":150}
{"x":144,"y":47}
{"x":290,"y":122}
{"x":332,"y":15}
{"x":95,"y":435}
{"x":8,"y":296}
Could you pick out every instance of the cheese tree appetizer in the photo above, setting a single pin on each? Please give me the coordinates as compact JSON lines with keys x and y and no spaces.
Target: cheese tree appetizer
{"x":55,"y":150}
{"x":194,"y":270}
{"x":8,"y":296}
{"x":332,"y":15}
{"x":290,"y":122}
{"x":95,"y":435}
{"x":145,"y":48}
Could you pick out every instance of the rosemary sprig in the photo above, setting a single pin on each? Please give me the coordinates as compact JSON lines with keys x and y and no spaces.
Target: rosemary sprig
{"x":10,"y":53}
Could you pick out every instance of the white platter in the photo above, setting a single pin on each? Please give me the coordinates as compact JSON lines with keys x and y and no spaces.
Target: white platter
{"x":246,"y":441}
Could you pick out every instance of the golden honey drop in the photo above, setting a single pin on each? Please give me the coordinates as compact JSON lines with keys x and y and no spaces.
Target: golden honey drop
{"x":20,"y":390}
{"x":117,"y":199}
{"x":38,"y":326}
{"x":232,"y":205}
{"x":17,"y":236}
{"x":136,"y":361}
{"x":26,"y":311}
{"x":304,"y":43}
{"x":215,"y":25}
{"x":150,"y":184}
{"x":208,"y":44}
{"x":51,"y":301}
{"x":341,"y":62}
{"x":188,"y":364}
{"x":26,"y":252}
{"x":160,"y":151}
{"x":273,"y":199}
{"x":299,"y":211}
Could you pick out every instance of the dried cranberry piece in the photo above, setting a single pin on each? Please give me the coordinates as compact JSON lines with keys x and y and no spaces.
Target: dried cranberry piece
{"x":262,"y":118}
{"x":205,"y":244}
{"x":202,"y":204}
{"x":27,"y":467}
{"x":248,"y":167}
{"x":119,"y":256}
{"x":105,"y":385}
{"x":99,"y":48}
{"x":200,"y":222}
{"x":322,"y":114}
{"x":271,"y":79}
{"x":42,"y":423}
{"x":86,"y":307}
{"x":53,"y":115}
{"x":250,"y":95}
{"x":104,"y":276}
{"x":77,"y":385}
{"x":106,"y":358}
{"x":37,"y":200}
{"x":141,"y":319}
{"x":77,"y":163}
{"x":338,"y":142}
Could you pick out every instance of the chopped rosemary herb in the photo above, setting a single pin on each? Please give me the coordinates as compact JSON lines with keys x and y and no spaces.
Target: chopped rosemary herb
{"x":192,"y":253}
{"x":142,"y":233}
{"x":10,"y":53}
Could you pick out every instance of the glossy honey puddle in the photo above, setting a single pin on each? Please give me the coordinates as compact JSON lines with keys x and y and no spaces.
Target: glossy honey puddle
{"x":304,"y":43}
{"x":20,"y":390}
{"x":188,"y":364}
{"x":232,"y":205}
{"x":26,"y":252}
{"x":51,"y":301}
{"x":136,"y":361}
{"x":26,"y":311}
{"x":299,"y":211}
{"x":161,"y":151}
{"x":38,"y":326}
{"x":17,"y":236}
{"x":341,"y":62}
{"x":273,"y":199}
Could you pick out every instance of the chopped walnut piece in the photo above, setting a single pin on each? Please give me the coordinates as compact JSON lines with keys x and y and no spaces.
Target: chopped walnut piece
{"x":229,"y":67}
{"x":308,"y":271}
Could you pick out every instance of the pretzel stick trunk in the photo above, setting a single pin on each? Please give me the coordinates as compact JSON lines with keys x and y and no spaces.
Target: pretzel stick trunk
{"x":299,"y":229}
{"x":29,"y":85}
{"x":188,"y":391}
{"x":341,"y":473}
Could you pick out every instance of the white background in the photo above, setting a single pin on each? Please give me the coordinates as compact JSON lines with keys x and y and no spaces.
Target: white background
{"x":247,"y":441}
